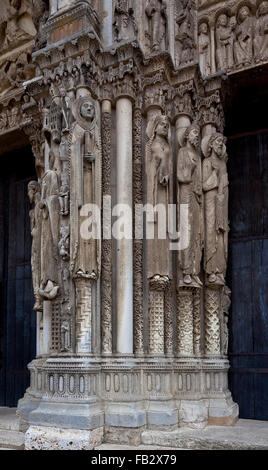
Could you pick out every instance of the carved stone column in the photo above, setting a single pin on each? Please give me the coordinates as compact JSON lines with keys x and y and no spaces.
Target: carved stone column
{"x":106,"y":280}
{"x":138,"y":244}
{"x":185,"y":322}
{"x":124,"y":267}
{"x":83,"y":316}
{"x":212,"y":322}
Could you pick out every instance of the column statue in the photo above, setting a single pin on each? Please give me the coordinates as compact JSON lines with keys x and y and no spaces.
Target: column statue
{"x":215,"y":187}
{"x":243,"y":37}
{"x":189,"y":176}
{"x":157,"y":17}
{"x":34,"y":193}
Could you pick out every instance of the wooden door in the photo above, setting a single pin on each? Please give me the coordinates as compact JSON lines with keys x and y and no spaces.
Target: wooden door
{"x":17,"y":319}
{"x":248,"y":273}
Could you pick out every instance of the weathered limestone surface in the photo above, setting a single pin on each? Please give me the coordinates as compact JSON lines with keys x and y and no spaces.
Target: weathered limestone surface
{"x":131,"y":334}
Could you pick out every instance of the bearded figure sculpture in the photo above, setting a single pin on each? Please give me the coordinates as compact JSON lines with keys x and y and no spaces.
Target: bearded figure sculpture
{"x":215,"y":187}
{"x":189,"y":177}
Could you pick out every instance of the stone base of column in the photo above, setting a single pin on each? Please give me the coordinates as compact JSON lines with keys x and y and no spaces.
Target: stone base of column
{"x":51,"y":438}
{"x":223,"y":411}
{"x":125,"y":396}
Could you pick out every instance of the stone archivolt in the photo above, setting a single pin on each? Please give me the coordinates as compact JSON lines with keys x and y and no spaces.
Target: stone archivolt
{"x":176,"y":372}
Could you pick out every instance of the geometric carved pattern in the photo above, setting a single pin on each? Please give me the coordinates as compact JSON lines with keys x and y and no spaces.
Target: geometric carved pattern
{"x":212,"y":322}
{"x":55,"y":327}
{"x":156,"y":322}
{"x":185,"y":322}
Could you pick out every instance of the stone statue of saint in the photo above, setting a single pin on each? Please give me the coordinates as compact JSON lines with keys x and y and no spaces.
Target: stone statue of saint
{"x":185,"y":36}
{"x":243,"y":45}
{"x":215,"y":187}
{"x":159,"y":170}
{"x":225,"y":42}
{"x":49,"y":205}
{"x":125,"y":26}
{"x":261,"y":33}
{"x":85,"y":183}
{"x":34,"y":193}
{"x":157,"y":16}
{"x":189,"y":177}
{"x":204,"y":49}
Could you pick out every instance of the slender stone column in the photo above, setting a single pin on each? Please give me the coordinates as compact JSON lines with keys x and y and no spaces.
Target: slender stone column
{"x":138,"y":244}
{"x":106,"y":280}
{"x":212,"y":322}
{"x":212,"y":49}
{"x":47,"y":330}
{"x":107,"y":23}
{"x":185,"y":322}
{"x":124,"y":274}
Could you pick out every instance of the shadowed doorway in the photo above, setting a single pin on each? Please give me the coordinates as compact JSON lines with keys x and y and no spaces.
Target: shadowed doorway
{"x":17,"y":319}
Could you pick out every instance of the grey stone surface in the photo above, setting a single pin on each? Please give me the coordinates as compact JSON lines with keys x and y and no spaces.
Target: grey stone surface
{"x":245,"y":435}
{"x":11,"y":439}
{"x":9,"y":419}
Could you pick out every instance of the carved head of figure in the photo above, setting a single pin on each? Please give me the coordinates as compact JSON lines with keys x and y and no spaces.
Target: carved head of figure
{"x":222,"y":20}
{"x":217,"y":145}
{"x":33,"y":189}
{"x":243,"y":14}
{"x":203,"y":28}
{"x":263,"y":9}
{"x":214,"y":144}
{"x":162,"y":126}
{"x":192,"y":135}
{"x":87,"y":111}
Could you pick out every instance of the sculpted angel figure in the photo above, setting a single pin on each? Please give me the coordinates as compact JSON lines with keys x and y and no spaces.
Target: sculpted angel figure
{"x":158,"y":169}
{"x":261,"y":33}
{"x":189,"y":177}
{"x":216,"y":190}
{"x":243,"y":46}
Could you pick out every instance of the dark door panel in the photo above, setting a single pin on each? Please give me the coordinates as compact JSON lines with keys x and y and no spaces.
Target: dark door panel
{"x":248,"y":273}
{"x":17,"y":319}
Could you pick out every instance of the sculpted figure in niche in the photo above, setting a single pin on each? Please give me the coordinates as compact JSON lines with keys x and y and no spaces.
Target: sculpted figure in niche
{"x":204,"y":49}
{"x":261,"y":33}
{"x":225,"y":42}
{"x":189,"y":176}
{"x":243,"y":47}
{"x":64,"y":243}
{"x":49,"y":205}
{"x":159,"y":164}
{"x":185,"y":36}
{"x":125,"y":26}
{"x":215,"y":187}
{"x":157,"y":16}
{"x":85,"y":183}
{"x":34,"y":193}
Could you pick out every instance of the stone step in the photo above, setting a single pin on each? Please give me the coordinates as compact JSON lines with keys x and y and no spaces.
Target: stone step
{"x":11,"y":440}
{"x":8,"y":419}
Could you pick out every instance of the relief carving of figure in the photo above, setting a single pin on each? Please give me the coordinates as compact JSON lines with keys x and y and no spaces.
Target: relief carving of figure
{"x":157,"y":17}
{"x":49,"y":205}
{"x":65,"y":336}
{"x":225,"y":42}
{"x":186,"y":32}
{"x":159,"y":170}
{"x":64,"y":243}
{"x":226,"y":303}
{"x":261,"y":33}
{"x":215,"y":187}
{"x":204,"y":49}
{"x":125,"y":26}
{"x":85,"y":182}
{"x":34,"y":193}
{"x":243,"y":45}
{"x":189,"y":176}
